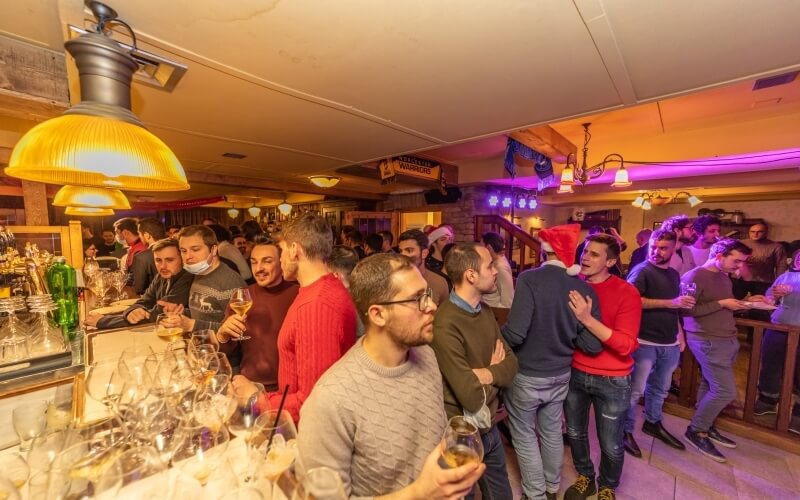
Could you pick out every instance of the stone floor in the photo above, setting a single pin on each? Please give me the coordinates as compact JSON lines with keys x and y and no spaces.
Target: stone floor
{"x":753,"y":470}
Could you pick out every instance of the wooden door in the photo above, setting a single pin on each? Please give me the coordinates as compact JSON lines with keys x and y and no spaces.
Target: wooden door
{"x":372,"y":222}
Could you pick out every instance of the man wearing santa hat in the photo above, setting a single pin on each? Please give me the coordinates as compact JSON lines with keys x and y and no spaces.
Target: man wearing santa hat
{"x":544,"y":333}
{"x":438,"y":238}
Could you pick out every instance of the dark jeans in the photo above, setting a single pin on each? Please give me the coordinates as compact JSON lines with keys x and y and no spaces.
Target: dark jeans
{"x":611,"y":397}
{"x":494,"y":483}
{"x":773,"y":350}
{"x":718,"y":385}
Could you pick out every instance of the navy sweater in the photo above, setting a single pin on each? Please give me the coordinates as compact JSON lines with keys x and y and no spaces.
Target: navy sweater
{"x":541,"y":328}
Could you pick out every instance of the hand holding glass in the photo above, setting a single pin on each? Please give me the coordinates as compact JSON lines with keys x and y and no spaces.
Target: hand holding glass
{"x":241,"y":302}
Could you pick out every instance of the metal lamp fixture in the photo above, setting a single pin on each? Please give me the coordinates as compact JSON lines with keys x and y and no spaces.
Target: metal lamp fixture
{"x":233,"y":212}
{"x":254,"y":211}
{"x":88,"y":211}
{"x":99,"y":142}
{"x":646,"y":201}
{"x":91,"y":197}
{"x":584,"y":173}
{"x":690,"y":198}
{"x":324,"y":181}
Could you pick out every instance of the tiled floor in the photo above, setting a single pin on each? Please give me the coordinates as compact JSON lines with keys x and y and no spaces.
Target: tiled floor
{"x":753,"y":470}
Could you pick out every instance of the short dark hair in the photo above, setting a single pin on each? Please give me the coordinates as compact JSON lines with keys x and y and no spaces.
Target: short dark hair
{"x":372,"y":280}
{"x":208,"y":236}
{"x":109,"y":229}
{"x":462,"y":256}
{"x":387,"y":235}
{"x":727,"y":246}
{"x":596,"y":230}
{"x":312,"y":233}
{"x":165,"y":243}
{"x":416,"y":235}
{"x":611,"y":243}
{"x":263,"y":240}
{"x":701,"y":223}
{"x":234,"y":230}
{"x":355,"y":237}
{"x":212,"y":219}
{"x":675,"y":223}
{"x":174,"y":226}
{"x":374,"y":241}
{"x":494,"y":240}
{"x":126,"y":224}
{"x":663,"y":235}
{"x":153,"y":227}
{"x":343,"y":260}
{"x":220,"y":232}
{"x":251,"y":227}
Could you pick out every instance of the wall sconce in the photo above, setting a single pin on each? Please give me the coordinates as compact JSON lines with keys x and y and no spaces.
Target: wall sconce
{"x":565,"y":189}
{"x":324,"y":181}
{"x":646,"y":201}
{"x":690,"y":198}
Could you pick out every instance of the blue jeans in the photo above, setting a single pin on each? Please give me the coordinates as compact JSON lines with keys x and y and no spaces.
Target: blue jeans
{"x":494,"y":483}
{"x":773,"y":350}
{"x":535,"y":404}
{"x":652,"y":376}
{"x":718,"y":385}
{"x":611,"y":397}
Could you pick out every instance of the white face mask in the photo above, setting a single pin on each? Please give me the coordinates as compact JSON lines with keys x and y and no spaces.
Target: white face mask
{"x":120,"y":239}
{"x":199,"y":267}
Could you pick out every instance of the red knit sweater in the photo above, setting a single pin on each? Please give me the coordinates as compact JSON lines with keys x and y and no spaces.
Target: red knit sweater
{"x":620,"y":310}
{"x":320,"y":326}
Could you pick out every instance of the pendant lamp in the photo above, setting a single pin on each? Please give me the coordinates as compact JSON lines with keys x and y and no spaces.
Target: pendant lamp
{"x":91,"y":197}
{"x":285,"y":208}
{"x":87,"y":211}
{"x":98,"y":142}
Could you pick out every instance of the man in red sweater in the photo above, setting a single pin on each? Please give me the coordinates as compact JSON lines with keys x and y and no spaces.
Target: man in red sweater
{"x":320,"y":325}
{"x":603,"y":380}
{"x":272,"y":296}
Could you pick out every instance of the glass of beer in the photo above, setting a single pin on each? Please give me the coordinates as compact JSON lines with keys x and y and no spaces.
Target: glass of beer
{"x":241,"y":302}
{"x":461,"y":445}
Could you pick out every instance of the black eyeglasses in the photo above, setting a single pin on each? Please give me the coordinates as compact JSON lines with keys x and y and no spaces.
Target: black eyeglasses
{"x":423,"y":301}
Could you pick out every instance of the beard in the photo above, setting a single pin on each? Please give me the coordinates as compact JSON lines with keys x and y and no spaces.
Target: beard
{"x":406,"y":337}
{"x":289,"y":270}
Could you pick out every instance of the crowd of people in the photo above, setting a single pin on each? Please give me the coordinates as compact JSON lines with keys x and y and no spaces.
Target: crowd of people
{"x":374,"y":346}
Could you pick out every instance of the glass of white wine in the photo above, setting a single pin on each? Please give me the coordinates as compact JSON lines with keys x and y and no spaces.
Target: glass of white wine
{"x":164,"y":332}
{"x":241,"y":302}
{"x":461,"y":445}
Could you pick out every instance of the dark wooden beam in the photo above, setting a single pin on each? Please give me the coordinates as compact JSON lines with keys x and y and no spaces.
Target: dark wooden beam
{"x":547,"y":141}
{"x":272,"y":185}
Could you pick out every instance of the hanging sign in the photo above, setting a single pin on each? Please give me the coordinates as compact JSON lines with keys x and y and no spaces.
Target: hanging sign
{"x":410,"y":166}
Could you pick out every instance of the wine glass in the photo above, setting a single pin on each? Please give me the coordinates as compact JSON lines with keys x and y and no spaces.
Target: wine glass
{"x":118,"y":280}
{"x":274,"y":435}
{"x":15,"y":469}
{"x":247,"y":410}
{"x":7,"y":489}
{"x":164,"y":332}
{"x":243,"y":493}
{"x":132,"y":466}
{"x":44,"y":450}
{"x":225,"y":367}
{"x":322,"y":483}
{"x":201,"y":450}
{"x":78,"y":468}
{"x":205,"y":367}
{"x":241,"y":302}
{"x":100,"y":285}
{"x":688,"y":289}
{"x":29,"y":423}
{"x":461,"y":444}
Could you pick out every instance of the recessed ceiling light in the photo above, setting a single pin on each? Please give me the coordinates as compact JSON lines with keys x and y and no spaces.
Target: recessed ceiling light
{"x":235,"y":156}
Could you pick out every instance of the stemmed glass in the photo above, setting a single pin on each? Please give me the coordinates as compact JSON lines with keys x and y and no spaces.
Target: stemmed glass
{"x":274,"y":436}
{"x":461,"y":444}
{"x":241,"y":302}
{"x":15,"y":469}
{"x":132,"y":466}
{"x":100,"y":285}
{"x":29,"y":423}
{"x":118,"y":280}
{"x":322,"y":483}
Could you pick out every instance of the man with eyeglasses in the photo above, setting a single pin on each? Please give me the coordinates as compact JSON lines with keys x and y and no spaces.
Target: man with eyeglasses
{"x":474,"y":361}
{"x":377,"y":416}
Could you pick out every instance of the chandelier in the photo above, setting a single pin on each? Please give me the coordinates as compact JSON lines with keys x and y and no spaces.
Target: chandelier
{"x":583,"y":173}
{"x":647,"y":201}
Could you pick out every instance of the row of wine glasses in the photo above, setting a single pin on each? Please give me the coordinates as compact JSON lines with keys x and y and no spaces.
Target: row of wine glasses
{"x":100,"y":282}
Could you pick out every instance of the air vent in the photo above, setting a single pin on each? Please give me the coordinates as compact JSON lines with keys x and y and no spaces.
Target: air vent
{"x":235,"y":156}
{"x":774,"y":81}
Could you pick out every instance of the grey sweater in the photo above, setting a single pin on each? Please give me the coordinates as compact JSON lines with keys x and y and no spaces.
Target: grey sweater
{"x":210,"y":294}
{"x":541,"y":328}
{"x":373,"y":425}
{"x":707,"y":318}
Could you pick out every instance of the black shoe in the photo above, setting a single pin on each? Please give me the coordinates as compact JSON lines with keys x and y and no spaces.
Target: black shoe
{"x":658,"y":431}
{"x":764,"y":408}
{"x":674,"y":389}
{"x":550,"y":496}
{"x":583,"y":488}
{"x":606,"y":493}
{"x":630,"y":445}
{"x":719,"y":439}
{"x":704,"y":445}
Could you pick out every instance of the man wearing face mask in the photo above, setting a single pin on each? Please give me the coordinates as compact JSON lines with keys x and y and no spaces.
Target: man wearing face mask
{"x":272,"y":297}
{"x":212,"y":286}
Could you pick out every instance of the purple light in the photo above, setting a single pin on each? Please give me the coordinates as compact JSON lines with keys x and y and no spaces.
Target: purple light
{"x":493,"y":200}
{"x":506,"y":201}
{"x":532,"y":204}
{"x":521,"y":202}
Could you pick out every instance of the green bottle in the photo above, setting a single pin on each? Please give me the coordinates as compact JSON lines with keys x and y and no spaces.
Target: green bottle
{"x":61,"y":280}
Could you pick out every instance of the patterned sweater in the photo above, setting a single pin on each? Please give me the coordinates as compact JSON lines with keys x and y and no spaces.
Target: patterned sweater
{"x":210,"y":294}
{"x":374,"y":425}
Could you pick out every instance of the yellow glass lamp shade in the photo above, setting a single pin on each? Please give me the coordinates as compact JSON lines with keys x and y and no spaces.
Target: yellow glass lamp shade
{"x":90,"y":197}
{"x":568,"y":176}
{"x":88,"y":211}
{"x":254,"y":211}
{"x":85,"y":150}
{"x":621,"y":178}
{"x":324,"y":181}
{"x":285,"y":208}
{"x":564,"y":189}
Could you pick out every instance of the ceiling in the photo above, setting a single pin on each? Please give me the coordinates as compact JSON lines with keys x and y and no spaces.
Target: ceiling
{"x":308,"y":87}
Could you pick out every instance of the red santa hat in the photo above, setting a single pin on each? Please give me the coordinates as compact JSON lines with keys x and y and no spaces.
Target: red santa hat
{"x":437,"y":232}
{"x":562,"y":241}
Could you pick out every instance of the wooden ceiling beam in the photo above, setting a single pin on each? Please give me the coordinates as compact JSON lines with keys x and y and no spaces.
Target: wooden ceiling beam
{"x":294,"y":187}
{"x":547,"y":141}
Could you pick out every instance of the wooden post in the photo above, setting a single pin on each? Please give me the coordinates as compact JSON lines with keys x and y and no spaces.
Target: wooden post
{"x":35,"y":200}
{"x":787,"y":384}
{"x":752,"y":374}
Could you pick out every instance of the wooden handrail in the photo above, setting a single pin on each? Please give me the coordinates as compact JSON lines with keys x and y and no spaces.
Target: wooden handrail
{"x":514,"y":232}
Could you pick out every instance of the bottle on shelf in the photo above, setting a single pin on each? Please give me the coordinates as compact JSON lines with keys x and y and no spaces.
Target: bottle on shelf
{"x":61,"y":279}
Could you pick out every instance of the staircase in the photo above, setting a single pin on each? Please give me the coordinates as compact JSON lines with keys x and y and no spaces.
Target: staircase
{"x":521,"y":247}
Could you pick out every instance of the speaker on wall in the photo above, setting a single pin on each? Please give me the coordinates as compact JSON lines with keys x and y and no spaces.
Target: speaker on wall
{"x":435,"y":197}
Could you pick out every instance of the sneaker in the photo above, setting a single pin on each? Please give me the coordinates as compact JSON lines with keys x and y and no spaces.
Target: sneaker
{"x":584,"y":487}
{"x":704,"y":445}
{"x":764,"y":408}
{"x":606,"y":493}
{"x":719,"y":439}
